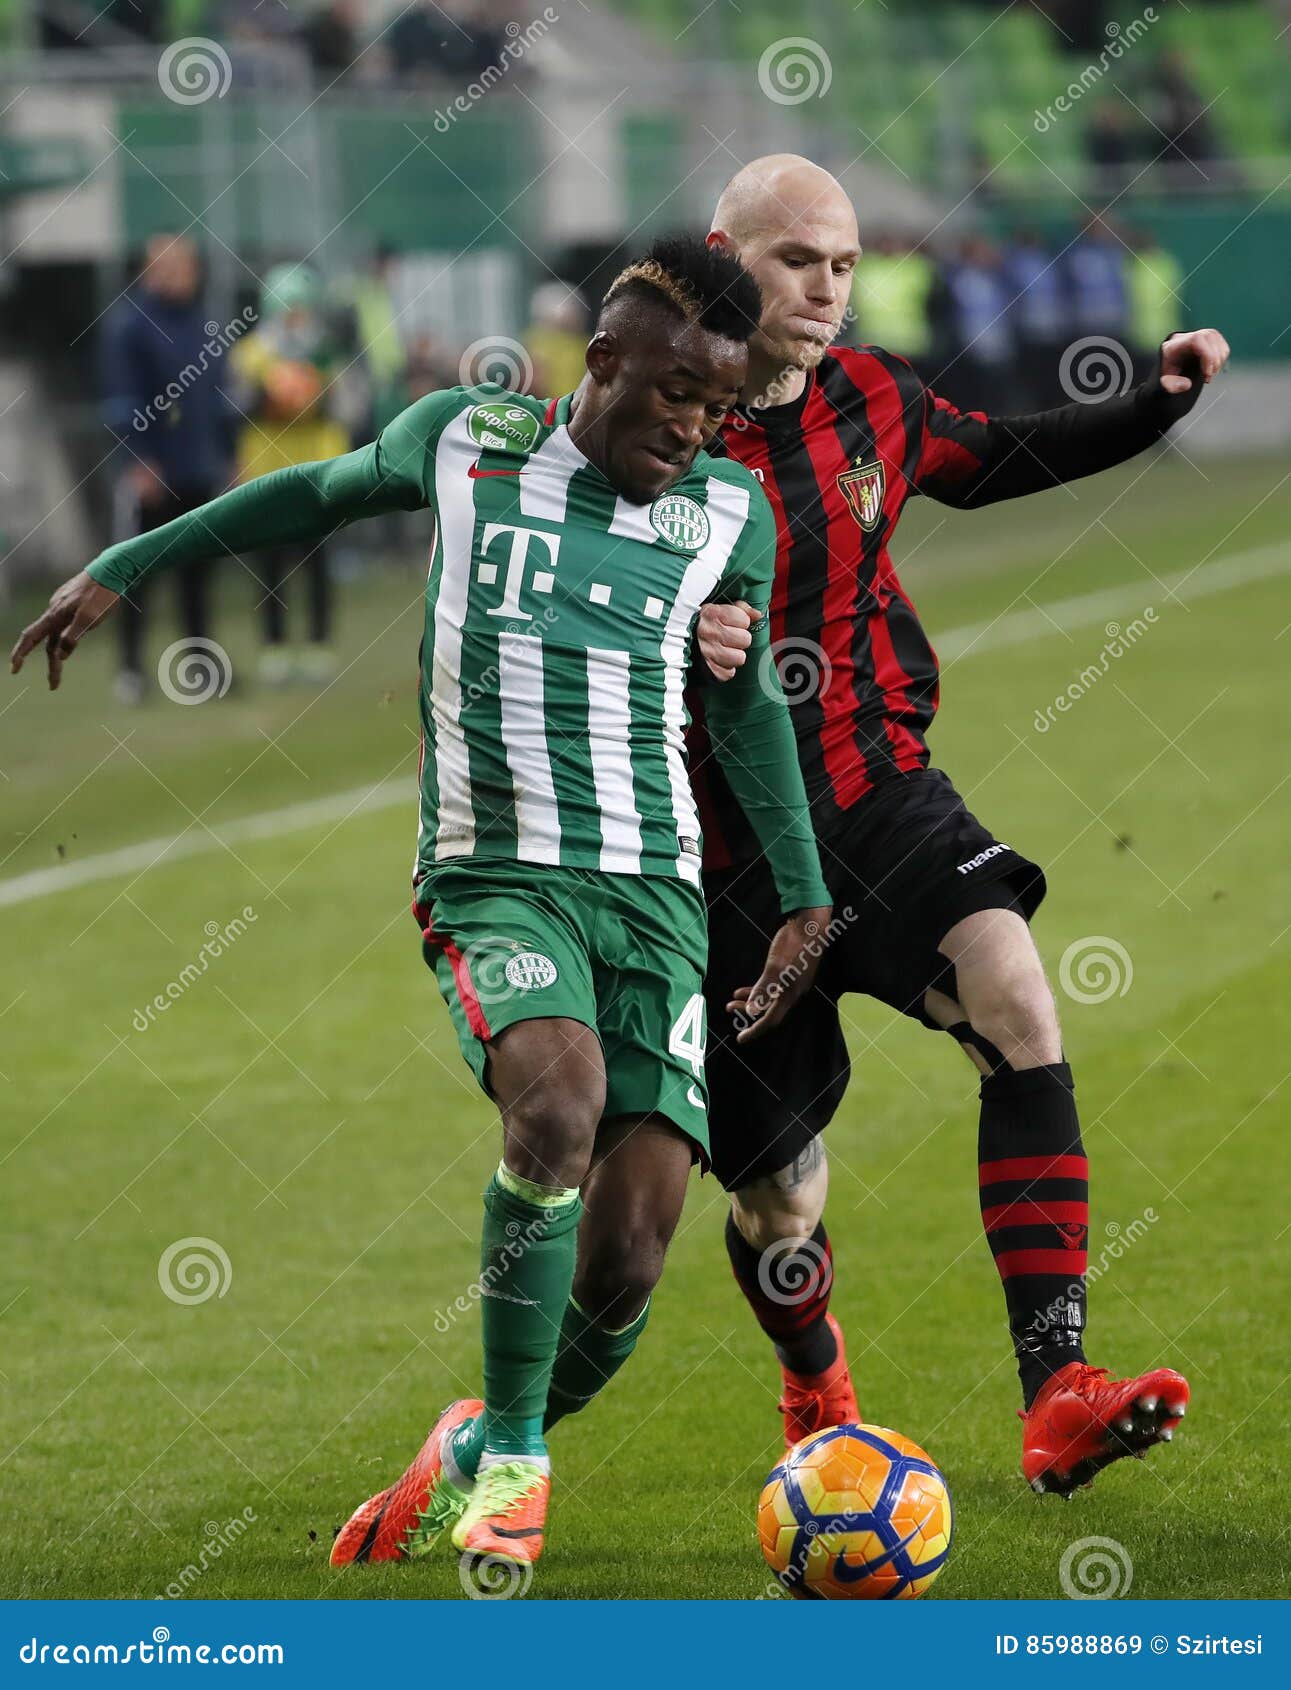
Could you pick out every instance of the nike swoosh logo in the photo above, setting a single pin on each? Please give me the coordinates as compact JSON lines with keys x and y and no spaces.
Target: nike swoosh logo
{"x":847,"y":1574}
{"x":478,"y":474}
{"x":505,"y":1297}
{"x":695,"y":1096}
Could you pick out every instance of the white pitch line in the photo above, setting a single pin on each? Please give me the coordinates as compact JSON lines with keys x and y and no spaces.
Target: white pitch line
{"x":1021,"y":626}
{"x":265,"y":824}
{"x":1017,"y":628}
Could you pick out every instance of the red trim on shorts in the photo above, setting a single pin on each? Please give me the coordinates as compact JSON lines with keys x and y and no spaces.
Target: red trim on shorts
{"x":475,"y":1017}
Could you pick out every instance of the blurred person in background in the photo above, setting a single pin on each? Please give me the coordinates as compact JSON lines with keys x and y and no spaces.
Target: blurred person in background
{"x":369,"y":296}
{"x":443,"y":38}
{"x":330,"y":35}
{"x":1179,"y":112}
{"x":430,"y":366}
{"x":1110,"y":147}
{"x":970,"y":308}
{"x":1094,"y":272}
{"x":1039,"y":310}
{"x":556,"y":338}
{"x":175,"y":451}
{"x":1155,"y":283}
{"x":891,"y":289}
{"x":302,"y":401}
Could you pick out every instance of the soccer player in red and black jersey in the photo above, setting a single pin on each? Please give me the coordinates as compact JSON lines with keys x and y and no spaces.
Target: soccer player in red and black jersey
{"x":931,"y":910}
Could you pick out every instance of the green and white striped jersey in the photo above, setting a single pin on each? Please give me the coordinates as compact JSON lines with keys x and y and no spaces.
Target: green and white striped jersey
{"x":557,"y":636}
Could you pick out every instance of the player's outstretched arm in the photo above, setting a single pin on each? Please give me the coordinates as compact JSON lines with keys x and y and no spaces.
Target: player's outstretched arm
{"x":301,"y":503}
{"x":969,"y":460}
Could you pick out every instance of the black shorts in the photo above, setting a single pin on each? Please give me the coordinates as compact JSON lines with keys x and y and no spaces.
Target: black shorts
{"x":908,"y":863}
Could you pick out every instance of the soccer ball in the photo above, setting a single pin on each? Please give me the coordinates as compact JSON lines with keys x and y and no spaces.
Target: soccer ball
{"x":855,"y":1511}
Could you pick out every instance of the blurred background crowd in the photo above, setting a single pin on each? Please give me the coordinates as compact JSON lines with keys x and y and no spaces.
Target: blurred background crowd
{"x":240,"y":234}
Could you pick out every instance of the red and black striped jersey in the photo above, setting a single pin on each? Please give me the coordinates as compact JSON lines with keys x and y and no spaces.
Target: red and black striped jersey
{"x":838,"y":465}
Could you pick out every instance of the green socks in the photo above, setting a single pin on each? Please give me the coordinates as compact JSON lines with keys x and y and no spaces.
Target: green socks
{"x":527,"y":1254}
{"x":587,"y":1359}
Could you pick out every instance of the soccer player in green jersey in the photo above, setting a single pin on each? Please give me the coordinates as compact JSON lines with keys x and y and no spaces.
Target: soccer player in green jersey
{"x":556,"y":883}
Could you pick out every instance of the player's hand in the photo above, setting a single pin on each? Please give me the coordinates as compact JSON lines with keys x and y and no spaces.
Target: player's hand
{"x":78,"y":605}
{"x":1184,"y":357}
{"x":724,"y":636}
{"x":788,"y":973}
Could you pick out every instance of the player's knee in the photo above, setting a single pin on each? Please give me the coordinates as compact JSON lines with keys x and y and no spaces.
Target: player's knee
{"x":1015,"y":1012}
{"x":764,"y":1218}
{"x":551,"y":1129}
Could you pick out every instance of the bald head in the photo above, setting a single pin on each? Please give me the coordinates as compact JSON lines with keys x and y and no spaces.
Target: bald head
{"x":780,"y":192}
{"x":791,"y":224}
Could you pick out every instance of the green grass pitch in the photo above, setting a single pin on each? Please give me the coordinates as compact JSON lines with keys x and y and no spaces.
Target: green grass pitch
{"x":302,"y":1104}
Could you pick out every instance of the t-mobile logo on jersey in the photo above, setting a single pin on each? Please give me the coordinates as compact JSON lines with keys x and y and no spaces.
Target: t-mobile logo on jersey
{"x":981,"y":857}
{"x":541,"y":581}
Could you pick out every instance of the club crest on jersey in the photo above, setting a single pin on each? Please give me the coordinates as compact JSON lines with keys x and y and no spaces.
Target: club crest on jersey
{"x":530,"y":971}
{"x":862,"y":487}
{"x":503,"y":428}
{"x":681,"y":521}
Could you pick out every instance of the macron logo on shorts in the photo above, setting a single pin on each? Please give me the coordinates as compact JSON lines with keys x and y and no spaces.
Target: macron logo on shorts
{"x":981,"y":857}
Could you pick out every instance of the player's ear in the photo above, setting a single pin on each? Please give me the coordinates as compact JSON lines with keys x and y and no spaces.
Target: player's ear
{"x":603,"y":354}
{"x":719,"y":238}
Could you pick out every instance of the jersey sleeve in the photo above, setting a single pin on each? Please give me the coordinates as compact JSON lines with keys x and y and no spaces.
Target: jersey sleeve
{"x":968,"y":459}
{"x":303,"y":502}
{"x":751,"y":732}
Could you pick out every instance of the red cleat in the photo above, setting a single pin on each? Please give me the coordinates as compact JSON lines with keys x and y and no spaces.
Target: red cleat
{"x":1081,"y":1421}
{"x":406,"y":1519}
{"x":812,"y":1402}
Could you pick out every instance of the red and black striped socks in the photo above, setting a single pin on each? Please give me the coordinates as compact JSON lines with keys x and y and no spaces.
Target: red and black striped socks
{"x":1033,"y":1183}
{"x":787,"y":1287}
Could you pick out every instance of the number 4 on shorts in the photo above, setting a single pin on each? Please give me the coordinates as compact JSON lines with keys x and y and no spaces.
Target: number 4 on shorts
{"x":686,"y":1039}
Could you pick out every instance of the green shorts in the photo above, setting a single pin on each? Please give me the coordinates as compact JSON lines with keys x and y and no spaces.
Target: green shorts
{"x":624,"y":954}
